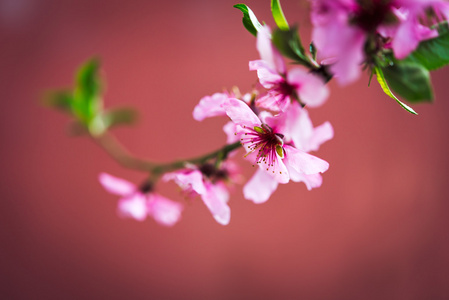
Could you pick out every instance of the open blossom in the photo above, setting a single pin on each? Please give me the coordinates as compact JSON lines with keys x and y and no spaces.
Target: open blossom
{"x":283,"y":85}
{"x":139,"y":203}
{"x":299,"y":132}
{"x":210,"y":184}
{"x":342,"y":27}
{"x":265,"y":145}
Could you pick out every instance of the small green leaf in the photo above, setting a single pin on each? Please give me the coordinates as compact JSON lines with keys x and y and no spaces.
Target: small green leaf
{"x":278,"y":15}
{"x":432,"y":54}
{"x":60,"y":100}
{"x":386,"y":89}
{"x":410,"y":80}
{"x":249,"y":19}
{"x":121,"y":116}
{"x":87,"y":101}
{"x":289,"y":44}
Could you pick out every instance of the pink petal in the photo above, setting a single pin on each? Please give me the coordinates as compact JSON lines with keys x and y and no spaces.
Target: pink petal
{"x":311,"y":89}
{"x":209,"y":106}
{"x":216,"y":198}
{"x":348,"y":67}
{"x":267,"y":76}
{"x":187,"y":180}
{"x":260,"y":187}
{"x":311,"y":181}
{"x":231,"y":129}
{"x":303,"y":162}
{"x":240,"y":113}
{"x":299,"y":129}
{"x":406,"y":39}
{"x":164,"y":211}
{"x":267,"y":51}
{"x":321,"y":134}
{"x":115,"y":185}
{"x":274,"y":101}
{"x":134,"y":206}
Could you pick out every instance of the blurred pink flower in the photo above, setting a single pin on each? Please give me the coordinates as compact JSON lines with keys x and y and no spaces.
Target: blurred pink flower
{"x":138,"y":203}
{"x":341,"y":28}
{"x":209,"y":183}
{"x":284,"y":85}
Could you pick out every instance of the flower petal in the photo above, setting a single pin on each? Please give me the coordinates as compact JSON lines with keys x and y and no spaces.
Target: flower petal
{"x":303,"y":162}
{"x":134,"y":206}
{"x":187,"y":180}
{"x":240,"y":113}
{"x":115,"y":185}
{"x":267,"y":77}
{"x":321,"y":134}
{"x":260,"y":187}
{"x":268,"y":52}
{"x":164,"y":211}
{"x":231,"y":132}
{"x":209,"y":106}
{"x":311,"y":89}
{"x":216,"y":198}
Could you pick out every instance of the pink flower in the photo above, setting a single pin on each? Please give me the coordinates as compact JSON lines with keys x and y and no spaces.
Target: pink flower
{"x":264,"y":143}
{"x":284,"y":86}
{"x":335,"y":37}
{"x":299,"y":132}
{"x":138,"y":203}
{"x":342,"y":27}
{"x":209,"y":183}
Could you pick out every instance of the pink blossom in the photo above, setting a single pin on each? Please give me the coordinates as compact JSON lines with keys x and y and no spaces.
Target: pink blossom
{"x":299,"y":132}
{"x":264,"y":143}
{"x":283,"y":86}
{"x":341,"y":28}
{"x":138,"y":203}
{"x":209,"y":183}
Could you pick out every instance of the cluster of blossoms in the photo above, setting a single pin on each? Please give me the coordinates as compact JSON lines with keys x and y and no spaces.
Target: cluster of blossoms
{"x":403,"y":39}
{"x":278,"y":144}
{"x":351,"y":33}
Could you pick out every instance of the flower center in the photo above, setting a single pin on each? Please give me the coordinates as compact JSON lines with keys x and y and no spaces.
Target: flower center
{"x":266,"y":142}
{"x":146,"y":187}
{"x":214,"y":174}
{"x":370,"y":14}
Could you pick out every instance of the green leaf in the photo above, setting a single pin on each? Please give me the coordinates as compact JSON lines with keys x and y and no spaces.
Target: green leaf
{"x":278,"y":15}
{"x":410,"y":80}
{"x":121,"y":116}
{"x":289,"y":44}
{"x":386,"y":89}
{"x":87,"y":101}
{"x":432,"y":54}
{"x":249,"y":19}
{"x":60,"y":100}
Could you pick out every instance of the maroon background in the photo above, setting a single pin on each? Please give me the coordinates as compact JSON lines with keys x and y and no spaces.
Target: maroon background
{"x":376,"y":229}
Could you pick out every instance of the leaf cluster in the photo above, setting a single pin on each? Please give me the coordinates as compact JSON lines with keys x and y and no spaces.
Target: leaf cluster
{"x":85,"y":103}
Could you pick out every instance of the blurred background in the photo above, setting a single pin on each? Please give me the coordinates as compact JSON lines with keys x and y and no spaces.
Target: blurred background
{"x":376,"y":229}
